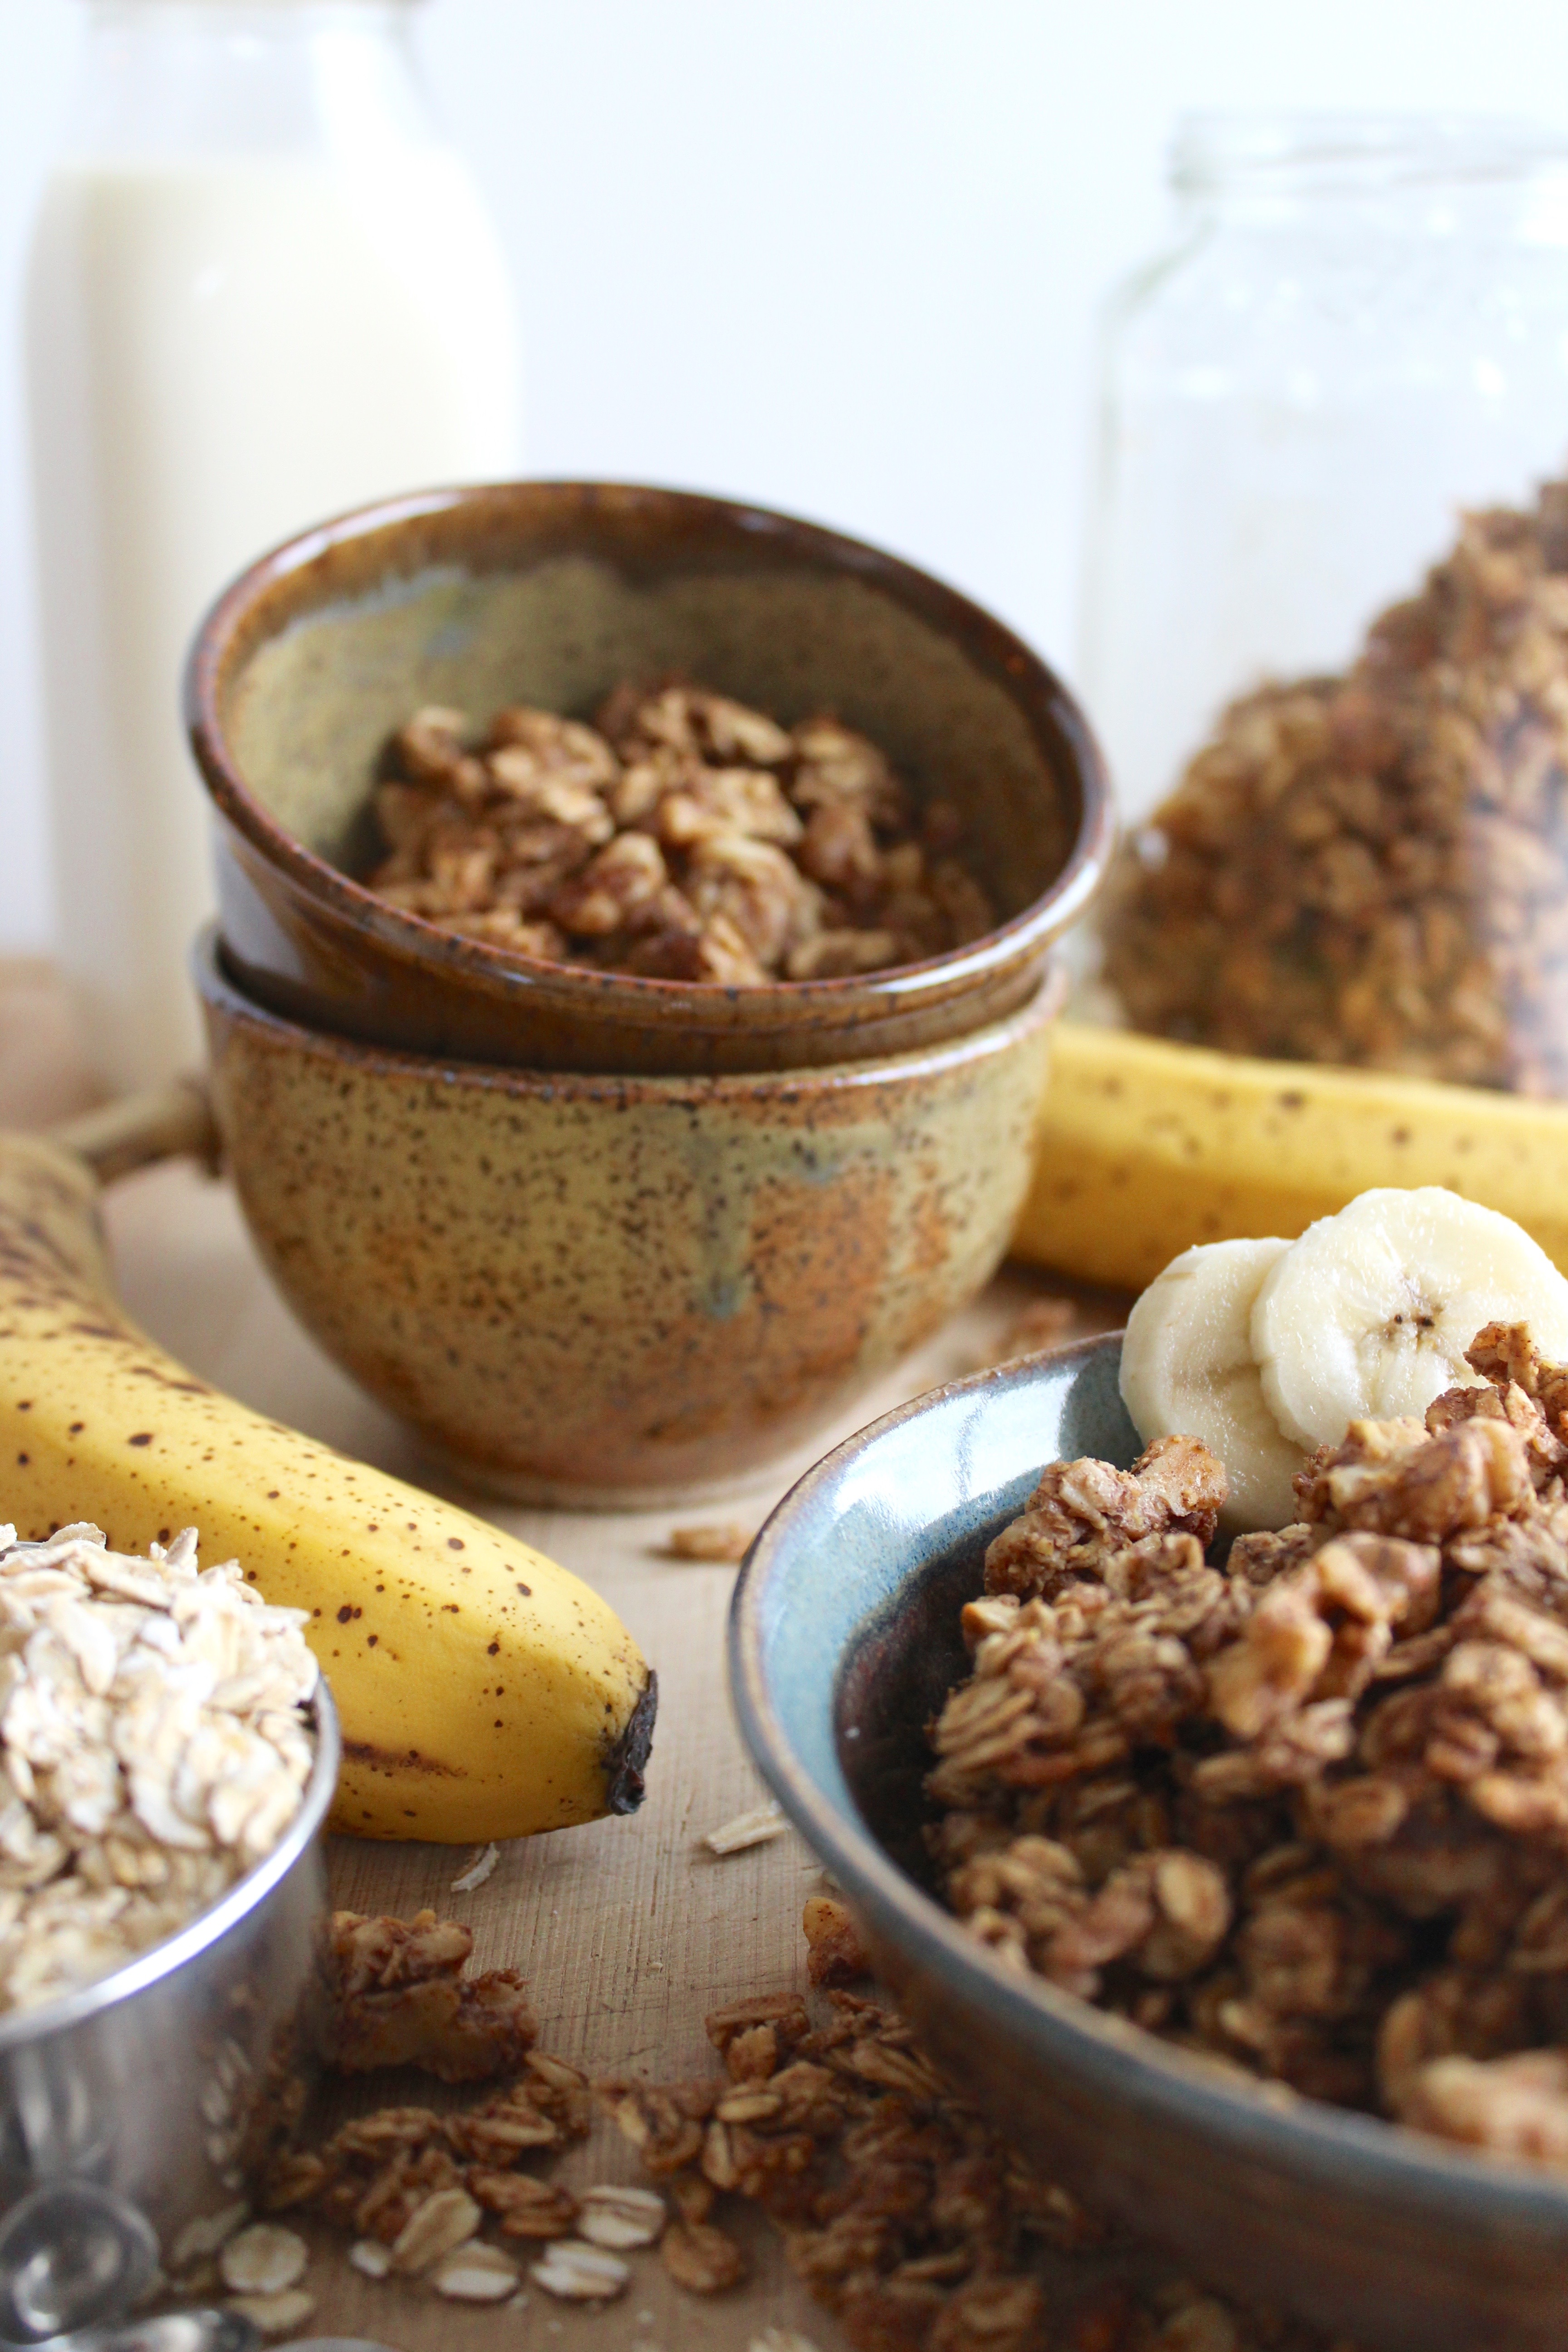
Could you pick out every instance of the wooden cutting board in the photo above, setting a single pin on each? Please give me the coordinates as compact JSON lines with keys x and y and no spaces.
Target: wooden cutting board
{"x":629,"y":1931}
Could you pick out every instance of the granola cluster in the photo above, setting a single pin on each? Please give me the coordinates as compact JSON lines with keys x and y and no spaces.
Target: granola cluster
{"x":402,"y":1996}
{"x":1373,"y":868}
{"x":1306,"y":1811}
{"x":153,"y":1743}
{"x":683,"y":837}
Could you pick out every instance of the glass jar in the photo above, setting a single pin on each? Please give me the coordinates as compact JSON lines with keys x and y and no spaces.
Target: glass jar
{"x":262,"y":289}
{"x":1360,"y":338}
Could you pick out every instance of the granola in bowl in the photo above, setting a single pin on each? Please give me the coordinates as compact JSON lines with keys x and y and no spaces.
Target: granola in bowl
{"x":154,"y":1743}
{"x":682,"y":836}
{"x":1303,"y":1810}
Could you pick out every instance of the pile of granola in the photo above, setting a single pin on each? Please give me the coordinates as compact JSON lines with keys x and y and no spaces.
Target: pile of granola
{"x":683,"y":837}
{"x":901,"y":2209}
{"x":153,"y":1745}
{"x":1307,"y":1811}
{"x":1372,"y":869}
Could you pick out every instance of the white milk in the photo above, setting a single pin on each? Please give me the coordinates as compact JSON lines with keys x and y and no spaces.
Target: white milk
{"x":221,"y":352}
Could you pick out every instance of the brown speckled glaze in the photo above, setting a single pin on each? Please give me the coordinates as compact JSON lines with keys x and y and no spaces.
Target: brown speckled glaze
{"x":617,"y":1289}
{"x":553,"y":592}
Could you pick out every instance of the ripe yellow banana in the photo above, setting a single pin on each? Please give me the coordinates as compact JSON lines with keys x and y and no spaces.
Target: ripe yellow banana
{"x":483,"y":1692}
{"x":1148,"y":1147}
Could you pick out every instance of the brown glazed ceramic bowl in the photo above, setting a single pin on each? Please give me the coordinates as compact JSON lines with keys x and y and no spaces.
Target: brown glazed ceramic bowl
{"x":844,"y":1640}
{"x":617,"y":1290}
{"x":550,"y":593}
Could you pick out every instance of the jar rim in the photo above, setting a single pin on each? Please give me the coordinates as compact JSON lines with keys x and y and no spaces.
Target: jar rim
{"x":1264,"y":152}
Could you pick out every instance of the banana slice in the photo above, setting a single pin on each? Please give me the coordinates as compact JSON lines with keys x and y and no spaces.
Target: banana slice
{"x":1187,"y":1370}
{"x":1370,"y":1313}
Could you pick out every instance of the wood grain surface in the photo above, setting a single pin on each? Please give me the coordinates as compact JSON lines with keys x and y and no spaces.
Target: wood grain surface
{"x":629,"y":1931}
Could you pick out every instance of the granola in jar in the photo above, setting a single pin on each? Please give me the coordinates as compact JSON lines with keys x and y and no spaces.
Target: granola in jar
{"x":1373,"y":868}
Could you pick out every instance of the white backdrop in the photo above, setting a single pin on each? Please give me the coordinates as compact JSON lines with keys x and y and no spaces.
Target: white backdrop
{"x":843,"y":257}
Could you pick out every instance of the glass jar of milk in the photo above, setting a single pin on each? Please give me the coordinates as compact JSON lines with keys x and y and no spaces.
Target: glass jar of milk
{"x":262,"y":290}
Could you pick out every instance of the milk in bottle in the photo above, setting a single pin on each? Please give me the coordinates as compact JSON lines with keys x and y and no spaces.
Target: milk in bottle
{"x":261,"y":292}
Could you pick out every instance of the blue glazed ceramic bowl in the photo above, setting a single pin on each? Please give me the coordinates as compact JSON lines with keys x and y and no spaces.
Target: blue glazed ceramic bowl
{"x":844,"y":1640}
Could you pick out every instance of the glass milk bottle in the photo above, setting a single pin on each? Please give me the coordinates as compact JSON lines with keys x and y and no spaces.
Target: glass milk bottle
{"x":262,"y":290}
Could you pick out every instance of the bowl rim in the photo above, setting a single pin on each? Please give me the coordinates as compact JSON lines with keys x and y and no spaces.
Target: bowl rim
{"x":410,"y":939}
{"x":217,"y":987}
{"x":23,"y":2026}
{"x":1288,"y":2131}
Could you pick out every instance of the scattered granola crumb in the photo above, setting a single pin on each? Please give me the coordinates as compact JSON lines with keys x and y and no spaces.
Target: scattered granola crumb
{"x":369,"y":2256}
{"x":477,"y":1871}
{"x":401,"y":1998}
{"x":724,"y":1543}
{"x":755,"y":1828}
{"x":837,"y":1952}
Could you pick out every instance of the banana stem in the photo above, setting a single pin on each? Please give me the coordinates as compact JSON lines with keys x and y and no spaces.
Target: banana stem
{"x":167,"y":1122}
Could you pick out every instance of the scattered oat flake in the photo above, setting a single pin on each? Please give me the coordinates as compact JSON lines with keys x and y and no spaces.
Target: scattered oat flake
{"x":476,"y":2273}
{"x":372,"y":2258}
{"x":477,"y":1871}
{"x":781,"y":2339}
{"x":263,"y":2260}
{"x":723,"y":1543}
{"x":275,"y":2314}
{"x":579,"y":2272}
{"x":444,"y":2221}
{"x":621,"y":2218}
{"x":200,"y":2239}
{"x":755,"y":1828}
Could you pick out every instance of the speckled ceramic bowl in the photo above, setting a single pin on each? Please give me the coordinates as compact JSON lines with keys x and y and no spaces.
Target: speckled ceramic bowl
{"x":610,"y":1290}
{"x":844,"y":1640}
{"x":552,"y":593}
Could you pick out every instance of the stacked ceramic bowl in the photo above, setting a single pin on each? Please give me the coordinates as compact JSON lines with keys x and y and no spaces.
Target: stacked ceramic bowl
{"x":602,"y":1238}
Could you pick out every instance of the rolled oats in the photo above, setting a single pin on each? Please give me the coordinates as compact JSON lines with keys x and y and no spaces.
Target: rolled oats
{"x":1369,"y":868}
{"x":154,"y":1746}
{"x":446,"y":2218}
{"x":621,"y":2218}
{"x":275,"y":2314}
{"x":685,"y":837}
{"x":755,"y":1828}
{"x":577,"y":2272}
{"x":482,"y":1867}
{"x":476,"y":2273}
{"x":262,"y":2260}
